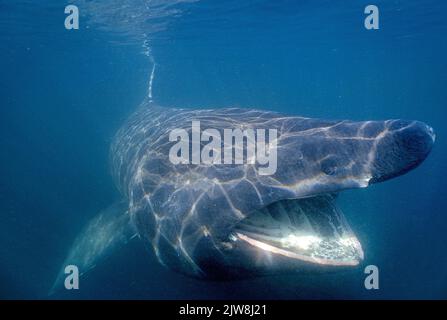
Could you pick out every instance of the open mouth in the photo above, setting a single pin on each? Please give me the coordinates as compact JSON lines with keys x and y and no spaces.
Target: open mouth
{"x":312,"y":230}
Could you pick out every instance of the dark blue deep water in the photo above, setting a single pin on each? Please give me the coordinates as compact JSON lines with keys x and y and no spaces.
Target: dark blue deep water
{"x":63,"y":95}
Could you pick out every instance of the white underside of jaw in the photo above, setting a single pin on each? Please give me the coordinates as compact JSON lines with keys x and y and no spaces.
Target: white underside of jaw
{"x":304,"y":243}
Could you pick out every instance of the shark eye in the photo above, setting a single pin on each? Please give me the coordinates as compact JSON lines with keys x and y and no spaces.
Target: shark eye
{"x":329,"y":166}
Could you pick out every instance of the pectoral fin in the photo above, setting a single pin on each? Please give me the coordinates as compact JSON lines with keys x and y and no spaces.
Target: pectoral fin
{"x":106,"y":232}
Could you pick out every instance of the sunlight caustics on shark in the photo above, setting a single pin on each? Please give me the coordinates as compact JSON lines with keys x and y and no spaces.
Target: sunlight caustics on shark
{"x":228,"y":221}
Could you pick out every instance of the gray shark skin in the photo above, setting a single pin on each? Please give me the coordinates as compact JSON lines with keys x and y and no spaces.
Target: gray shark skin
{"x":228,"y":221}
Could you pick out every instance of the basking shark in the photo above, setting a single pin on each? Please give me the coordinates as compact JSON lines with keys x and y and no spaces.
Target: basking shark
{"x":225,"y":221}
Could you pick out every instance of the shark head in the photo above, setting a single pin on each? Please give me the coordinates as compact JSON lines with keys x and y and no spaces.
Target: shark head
{"x":218,"y":220}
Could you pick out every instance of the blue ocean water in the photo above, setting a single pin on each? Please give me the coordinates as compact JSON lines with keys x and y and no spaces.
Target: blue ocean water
{"x":64,"y":93}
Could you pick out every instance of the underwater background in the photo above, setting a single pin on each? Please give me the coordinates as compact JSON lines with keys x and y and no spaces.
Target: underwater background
{"x":64,"y":94}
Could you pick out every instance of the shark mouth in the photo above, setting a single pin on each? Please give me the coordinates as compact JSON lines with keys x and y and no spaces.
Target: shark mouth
{"x":312,"y":230}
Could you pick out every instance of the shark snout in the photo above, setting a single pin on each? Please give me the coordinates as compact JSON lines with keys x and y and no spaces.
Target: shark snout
{"x":403,"y":147}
